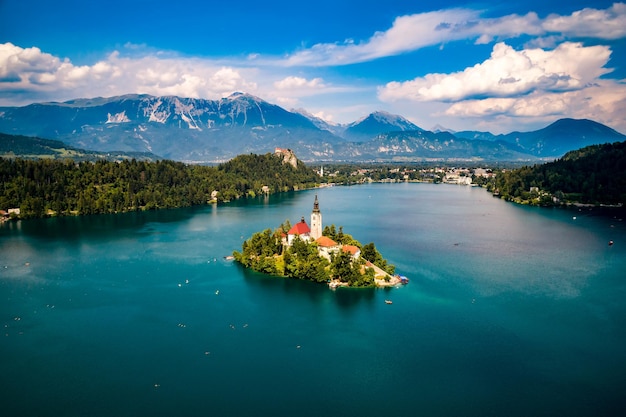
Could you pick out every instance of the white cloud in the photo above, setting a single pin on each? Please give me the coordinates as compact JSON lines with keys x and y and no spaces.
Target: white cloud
{"x":544,"y":78}
{"x":34,"y":75}
{"x":324,"y":116}
{"x":286,"y":102}
{"x":14,"y":61}
{"x":508,"y":73}
{"x":298,"y":83}
{"x":29,"y":75}
{"x":510,"y":26}
{"x":294,"y":91}
{"x":604,"y":102}
{"x":407,"y":33}
{"x":603,"y":24}
{"x":528,"y":86}
{"x":412,"y":32}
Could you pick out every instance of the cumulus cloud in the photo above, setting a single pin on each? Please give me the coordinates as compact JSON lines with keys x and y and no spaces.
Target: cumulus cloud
{"x":528,"y":84}
{"x":508,"y":73}
{"x":288,"y":90}
{"x":589,"y":22}
{"x":286,"y":102}
{"x":298,"y":83}
{"x":29,"y":75}
{"x":15,"y":61}
{"x":324,"y":116}
{"x":412,"y":32}
{"x":35,"y":74}
{"x":603,"y":101}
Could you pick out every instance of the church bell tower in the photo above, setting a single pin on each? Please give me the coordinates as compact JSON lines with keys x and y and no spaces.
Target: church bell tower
{"x":316,"y":220}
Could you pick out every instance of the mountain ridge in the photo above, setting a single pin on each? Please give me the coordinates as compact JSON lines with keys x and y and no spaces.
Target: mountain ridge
{"x":202,"y":130}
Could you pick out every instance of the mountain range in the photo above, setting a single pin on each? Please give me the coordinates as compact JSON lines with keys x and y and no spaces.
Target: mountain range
{"x":200,"y":130}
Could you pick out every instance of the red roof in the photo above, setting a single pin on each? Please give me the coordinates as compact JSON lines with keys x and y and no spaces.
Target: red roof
{"x":326,"y":242}
{"x":350,"y":249}
{"x":300,"y":229}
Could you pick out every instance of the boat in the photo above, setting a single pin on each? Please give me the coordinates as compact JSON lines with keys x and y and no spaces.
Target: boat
{"x":388,"y":302}
{"x":610,"y":243}
{"x":403,"y":279}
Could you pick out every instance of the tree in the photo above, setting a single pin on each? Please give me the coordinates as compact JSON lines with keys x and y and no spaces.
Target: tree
{"x":370,"y":253}
{"x":342,"y":267}
{"x":330,"y":232}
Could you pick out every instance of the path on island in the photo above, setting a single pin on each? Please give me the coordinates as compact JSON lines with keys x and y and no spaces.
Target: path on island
{"x":380,"y":276}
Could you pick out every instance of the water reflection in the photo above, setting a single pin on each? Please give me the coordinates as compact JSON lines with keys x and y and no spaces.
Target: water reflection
{"x":316,"y":293}
{"x":101,"y":226}
{"x":349,"y":297}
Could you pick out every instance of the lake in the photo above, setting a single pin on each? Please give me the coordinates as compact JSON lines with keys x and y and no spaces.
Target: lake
{"x":510,"y":310}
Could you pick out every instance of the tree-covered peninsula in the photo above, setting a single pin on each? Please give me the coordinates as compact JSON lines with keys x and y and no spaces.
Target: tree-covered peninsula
{"x":591,"y":175}
{"x":43,"y":187}
{"x":327,"y":256}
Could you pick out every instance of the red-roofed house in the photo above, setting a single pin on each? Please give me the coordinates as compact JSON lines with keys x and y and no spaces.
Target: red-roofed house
{"x":352,"y":250}
{"x":299,"y":229}
{"x":326,"y":246}
{"x":326,"y":242}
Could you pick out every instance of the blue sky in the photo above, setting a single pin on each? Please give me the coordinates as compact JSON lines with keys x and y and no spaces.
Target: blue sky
{"x":462,"y":65}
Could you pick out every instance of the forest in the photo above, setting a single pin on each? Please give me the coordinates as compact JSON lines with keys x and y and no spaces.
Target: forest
{"x":591,"y":175}
{"x":57,"y":187}
{"x":45,"y":187}
{"x":265,"y":252}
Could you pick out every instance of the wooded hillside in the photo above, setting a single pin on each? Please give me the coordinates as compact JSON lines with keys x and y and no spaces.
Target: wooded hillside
{"x":48,"y":187}
{"x":592,"y":175}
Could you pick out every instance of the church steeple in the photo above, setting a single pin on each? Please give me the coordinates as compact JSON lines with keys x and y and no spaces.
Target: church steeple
{"x":316,"y":220}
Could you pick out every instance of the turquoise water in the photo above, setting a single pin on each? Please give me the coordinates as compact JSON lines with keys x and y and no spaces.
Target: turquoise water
{"x":510,"y":310}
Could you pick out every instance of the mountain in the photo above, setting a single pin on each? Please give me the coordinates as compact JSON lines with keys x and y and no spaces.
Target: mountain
{"x":200,"y":130}
{"x":404,"y":146}
{"x":562,"y":136}
{"x":554,"y":140}
{"x":475,"y":135}
{"x":334,"y":128}
{"x":377,"y":123}
{"x":438,"y":128}
{"x":172,"y":127}
{"x":12,"y":146}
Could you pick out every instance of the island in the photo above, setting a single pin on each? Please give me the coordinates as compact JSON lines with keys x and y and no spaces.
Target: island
{"x":324,"y":255}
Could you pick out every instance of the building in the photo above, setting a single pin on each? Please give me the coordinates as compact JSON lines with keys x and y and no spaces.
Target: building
{"x":299,"y":229}
{"x":326,"y":246}
{"x":354,"y":251}
{"x":316,"y":220}
{"x":302,"y":229}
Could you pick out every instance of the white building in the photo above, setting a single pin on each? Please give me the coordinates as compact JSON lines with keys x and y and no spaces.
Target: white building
{"x":316,"y":220}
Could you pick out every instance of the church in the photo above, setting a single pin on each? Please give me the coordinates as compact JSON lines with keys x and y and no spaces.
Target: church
{"x":326,"y":246}
{"x":302,"y":229}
